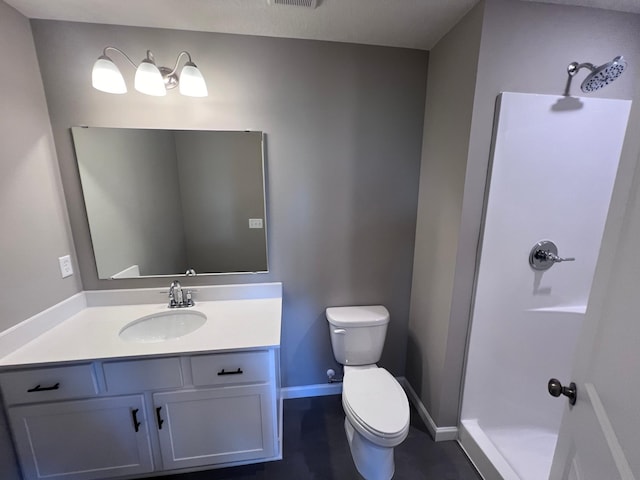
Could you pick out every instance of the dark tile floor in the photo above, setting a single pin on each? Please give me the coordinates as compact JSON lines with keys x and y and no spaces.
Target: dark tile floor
{"x":315,"y":447}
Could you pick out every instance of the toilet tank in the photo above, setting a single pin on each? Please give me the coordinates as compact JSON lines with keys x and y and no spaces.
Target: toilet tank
{"x":357,"y":333}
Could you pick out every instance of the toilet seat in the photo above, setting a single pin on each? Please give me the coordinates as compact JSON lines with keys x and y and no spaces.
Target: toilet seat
{"x":376,"y":405}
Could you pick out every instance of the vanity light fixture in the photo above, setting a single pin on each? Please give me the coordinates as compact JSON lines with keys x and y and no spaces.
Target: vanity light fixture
{"x":149,"y":79}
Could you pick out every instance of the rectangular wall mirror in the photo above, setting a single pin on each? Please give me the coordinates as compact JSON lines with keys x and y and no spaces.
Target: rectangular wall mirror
{"x":164,"y":202}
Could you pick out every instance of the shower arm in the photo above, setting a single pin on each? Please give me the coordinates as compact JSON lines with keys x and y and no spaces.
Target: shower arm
{"x":574,"y":67}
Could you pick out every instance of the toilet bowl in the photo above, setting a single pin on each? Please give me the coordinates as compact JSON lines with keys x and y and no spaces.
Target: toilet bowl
{"x":376,"y":419}
{"x":375,"y":405}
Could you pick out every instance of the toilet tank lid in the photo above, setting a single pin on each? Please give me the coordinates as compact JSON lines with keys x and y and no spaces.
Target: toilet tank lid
{"x":364,"y":316}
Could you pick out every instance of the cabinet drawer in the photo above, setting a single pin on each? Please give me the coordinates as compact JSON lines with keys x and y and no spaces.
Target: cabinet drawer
{"x":228,"y":368}
{"x":133,"y":376}
{"x":48,"y":384}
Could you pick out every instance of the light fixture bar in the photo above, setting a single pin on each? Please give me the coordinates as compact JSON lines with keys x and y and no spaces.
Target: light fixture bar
{"x":115,"y":49}
{"x":150,"y":79}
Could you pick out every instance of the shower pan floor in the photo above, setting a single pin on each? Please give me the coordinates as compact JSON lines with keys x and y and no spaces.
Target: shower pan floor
{"x":528,"y":450}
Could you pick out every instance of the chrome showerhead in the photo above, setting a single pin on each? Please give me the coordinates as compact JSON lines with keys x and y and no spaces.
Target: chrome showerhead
{"x":600,"y":76}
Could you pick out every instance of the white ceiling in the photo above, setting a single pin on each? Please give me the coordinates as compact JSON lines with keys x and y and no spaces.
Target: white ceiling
{"x":396,"y":23}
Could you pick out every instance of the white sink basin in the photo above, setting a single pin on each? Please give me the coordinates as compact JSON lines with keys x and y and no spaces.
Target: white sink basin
{"x":163,"y":326}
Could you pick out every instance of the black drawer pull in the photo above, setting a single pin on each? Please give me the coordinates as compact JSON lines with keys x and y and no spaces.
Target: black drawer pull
{"x":159,"y":418}
{"x":136,"y":423}
{"x":38,"y":388}
{"x":235,"y":372}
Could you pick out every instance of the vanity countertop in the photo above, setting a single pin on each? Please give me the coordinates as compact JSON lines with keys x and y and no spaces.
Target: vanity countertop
{"x":93,"y":332}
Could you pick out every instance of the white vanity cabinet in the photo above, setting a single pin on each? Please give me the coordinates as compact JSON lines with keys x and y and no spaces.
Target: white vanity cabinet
{"x":125,"y":417}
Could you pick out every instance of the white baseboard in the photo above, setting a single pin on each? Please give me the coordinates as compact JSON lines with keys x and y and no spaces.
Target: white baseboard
{"x":316,"y":390}
{"x":439,"y":434}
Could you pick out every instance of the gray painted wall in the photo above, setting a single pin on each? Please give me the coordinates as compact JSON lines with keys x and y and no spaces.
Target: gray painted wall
{"x":130,"y":186}
{"x":32,"y":211}
{"x":344,"y":133}
{"x":221,"y":185}
{"x":447,"y":123}
{"x":525,"y":47}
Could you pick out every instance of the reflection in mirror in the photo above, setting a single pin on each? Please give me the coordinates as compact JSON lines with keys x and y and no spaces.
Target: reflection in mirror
{"x":163,"y":202}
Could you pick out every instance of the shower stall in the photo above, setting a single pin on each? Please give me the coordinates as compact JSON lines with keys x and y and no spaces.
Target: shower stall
{"x":554,"y":162}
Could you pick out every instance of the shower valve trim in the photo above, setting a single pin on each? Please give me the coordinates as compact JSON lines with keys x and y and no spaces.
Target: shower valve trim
{"x":544,"y":255}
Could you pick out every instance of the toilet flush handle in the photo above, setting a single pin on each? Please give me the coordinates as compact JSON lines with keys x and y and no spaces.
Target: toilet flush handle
{"x":339,"y":331}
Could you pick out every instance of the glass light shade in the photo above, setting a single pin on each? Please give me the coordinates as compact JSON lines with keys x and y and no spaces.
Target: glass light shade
{"x":192,"y":82}
{"x":149,"y":80}
{"x":106,"y":76}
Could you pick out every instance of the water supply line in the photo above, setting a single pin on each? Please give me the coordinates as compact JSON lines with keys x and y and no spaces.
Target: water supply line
{"x":331,"y":375}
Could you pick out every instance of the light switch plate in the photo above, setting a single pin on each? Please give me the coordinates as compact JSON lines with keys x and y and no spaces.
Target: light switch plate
{"x":255,"y":223}
{"x":66,"y":269}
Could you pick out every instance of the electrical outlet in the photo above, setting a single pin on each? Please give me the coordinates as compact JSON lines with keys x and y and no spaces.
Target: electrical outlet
{"x":255,"y":223}
{"x":66,"y":269}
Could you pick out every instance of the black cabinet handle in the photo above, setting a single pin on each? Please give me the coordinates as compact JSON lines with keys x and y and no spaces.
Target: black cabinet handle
{"x":38,"y":388}
{"x":235,"y":372}
{"x":136,"y":423}
{"x":159,"y":418}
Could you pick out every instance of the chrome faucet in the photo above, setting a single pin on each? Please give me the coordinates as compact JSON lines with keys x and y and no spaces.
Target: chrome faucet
{"x":179,"y":298}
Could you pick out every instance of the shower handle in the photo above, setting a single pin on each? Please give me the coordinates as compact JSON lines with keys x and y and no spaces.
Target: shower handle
{"x":552,"y":257}
{"x":556,"y":389}
{"x":544,"y":255}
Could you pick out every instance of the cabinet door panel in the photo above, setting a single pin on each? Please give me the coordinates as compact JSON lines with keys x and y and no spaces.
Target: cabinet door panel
{"x":82,"y":440}
{"x":218,"y":425}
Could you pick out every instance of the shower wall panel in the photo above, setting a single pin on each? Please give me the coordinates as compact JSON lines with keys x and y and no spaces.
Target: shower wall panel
{"x":553,"y":167}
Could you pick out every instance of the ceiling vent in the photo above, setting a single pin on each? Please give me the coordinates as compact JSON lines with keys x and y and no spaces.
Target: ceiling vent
{"x":295,"y":3}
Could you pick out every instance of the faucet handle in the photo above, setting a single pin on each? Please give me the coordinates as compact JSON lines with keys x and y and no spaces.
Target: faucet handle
{"x":188,"y":298}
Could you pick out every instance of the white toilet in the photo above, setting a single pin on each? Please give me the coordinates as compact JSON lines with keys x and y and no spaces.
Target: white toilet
{"x":375,"y":405}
